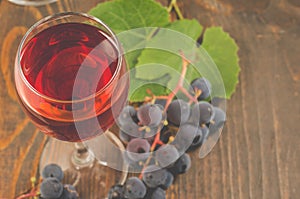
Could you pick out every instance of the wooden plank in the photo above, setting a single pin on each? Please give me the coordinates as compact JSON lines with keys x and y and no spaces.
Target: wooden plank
{"x":257,"y":156}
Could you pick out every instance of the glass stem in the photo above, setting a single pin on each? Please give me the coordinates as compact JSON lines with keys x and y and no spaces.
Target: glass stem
{"x":82,"y":157}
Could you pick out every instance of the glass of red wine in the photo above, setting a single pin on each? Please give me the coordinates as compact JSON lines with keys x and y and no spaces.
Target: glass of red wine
{"x":71,"y":80}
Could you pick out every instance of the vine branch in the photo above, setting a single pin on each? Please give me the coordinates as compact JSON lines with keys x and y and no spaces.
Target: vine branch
{"x":174,"y":5}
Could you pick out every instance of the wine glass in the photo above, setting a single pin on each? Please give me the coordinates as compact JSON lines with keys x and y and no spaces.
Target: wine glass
{"x":71,"y":80}
{"x":32,"y":2}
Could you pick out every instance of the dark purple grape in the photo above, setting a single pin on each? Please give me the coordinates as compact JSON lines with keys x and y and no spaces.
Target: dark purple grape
{"x":199,"y":139}
{"x":202,"y":85}
{"x":178,"y":112}
{"x":168,"y":182}
{"x":69,"y":192}
{"x":158,"y":193}
{"x":131,"y":129}
{"x":51,"y":188}
{"x":166,"y":155}
{"x":202,"y":113}
{"x":185,"y":137}
{"x":182,"y":165}
{"x":138,"y":149}
{"x":134,"y":188}
{"x":154,"y":176}
{"x":53,"y":170}
{"x":128,"y":114}
{"x":116,"y":192}
{"x":150,"y":115}
{"x":219,"y":117}
{"x":149,"y":193}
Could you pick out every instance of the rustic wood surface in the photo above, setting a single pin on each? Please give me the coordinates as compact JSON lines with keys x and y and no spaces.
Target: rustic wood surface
{"x":258,"y":153}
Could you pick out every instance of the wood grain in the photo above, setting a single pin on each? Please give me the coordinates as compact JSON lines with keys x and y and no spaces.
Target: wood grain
{"x":258,"y":153}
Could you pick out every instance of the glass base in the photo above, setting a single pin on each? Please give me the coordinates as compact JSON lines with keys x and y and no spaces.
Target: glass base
{"x":90,"y":180}
{"x":32,"y":2}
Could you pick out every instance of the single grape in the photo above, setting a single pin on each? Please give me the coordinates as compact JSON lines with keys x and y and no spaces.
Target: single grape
{"x":116,"y":192}
{"x":203,"y":85}
{"x":128,"y":114}
{"x":219,"y":117}
{"x":182,"y":165}
{"x":150,"y":115}
{"x":178,"y":112}
{"x":134,"y":188}
{"x":51,"y":188}
{"x":149,"y":193}
{"x":158,"y":193}
{"x":166,"y":155}
{"x":202,"y":113}
{"x":53,"y":170}
{"x":131,"y":129}
{"x":185,"y":137}
{"x":200,"y":138}
{"x":69,"y":192}
{"x":154,"y":176}
{"x":138,"y":149}
{"x":168,"y":182}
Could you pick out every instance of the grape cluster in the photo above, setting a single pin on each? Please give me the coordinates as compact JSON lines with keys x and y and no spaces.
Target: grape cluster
{"x":52,"y":187}
{"x":159,"y":135}
{"x":154,"y":182}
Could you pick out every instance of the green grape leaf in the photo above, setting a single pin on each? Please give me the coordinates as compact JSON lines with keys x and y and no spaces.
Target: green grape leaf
{"x":122,"y":15}
{"x":151,"y":44}
{"x":223,"y":50}
{"x":162,"y":52}
{"x":139,"y":87}
{"x":190,"y":27}
{"x":222,"y":70}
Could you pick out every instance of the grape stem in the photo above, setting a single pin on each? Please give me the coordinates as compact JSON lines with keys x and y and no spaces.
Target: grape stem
{"x":169,"y":98}
{"x":197,"y":94}
{"x":154,"y":97}
{"x":32,"y":193}
{"x":179,"y":86}
{"x":191,"y":98}
{"x":174,"y":5}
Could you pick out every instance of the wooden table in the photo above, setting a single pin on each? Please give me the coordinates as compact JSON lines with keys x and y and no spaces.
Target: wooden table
{"x":258,"y":153}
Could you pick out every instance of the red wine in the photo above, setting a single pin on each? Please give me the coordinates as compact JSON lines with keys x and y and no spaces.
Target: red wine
{"x":73,"y":89}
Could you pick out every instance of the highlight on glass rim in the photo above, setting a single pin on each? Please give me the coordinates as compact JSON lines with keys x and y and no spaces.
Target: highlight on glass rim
{"x":32,"y":2}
